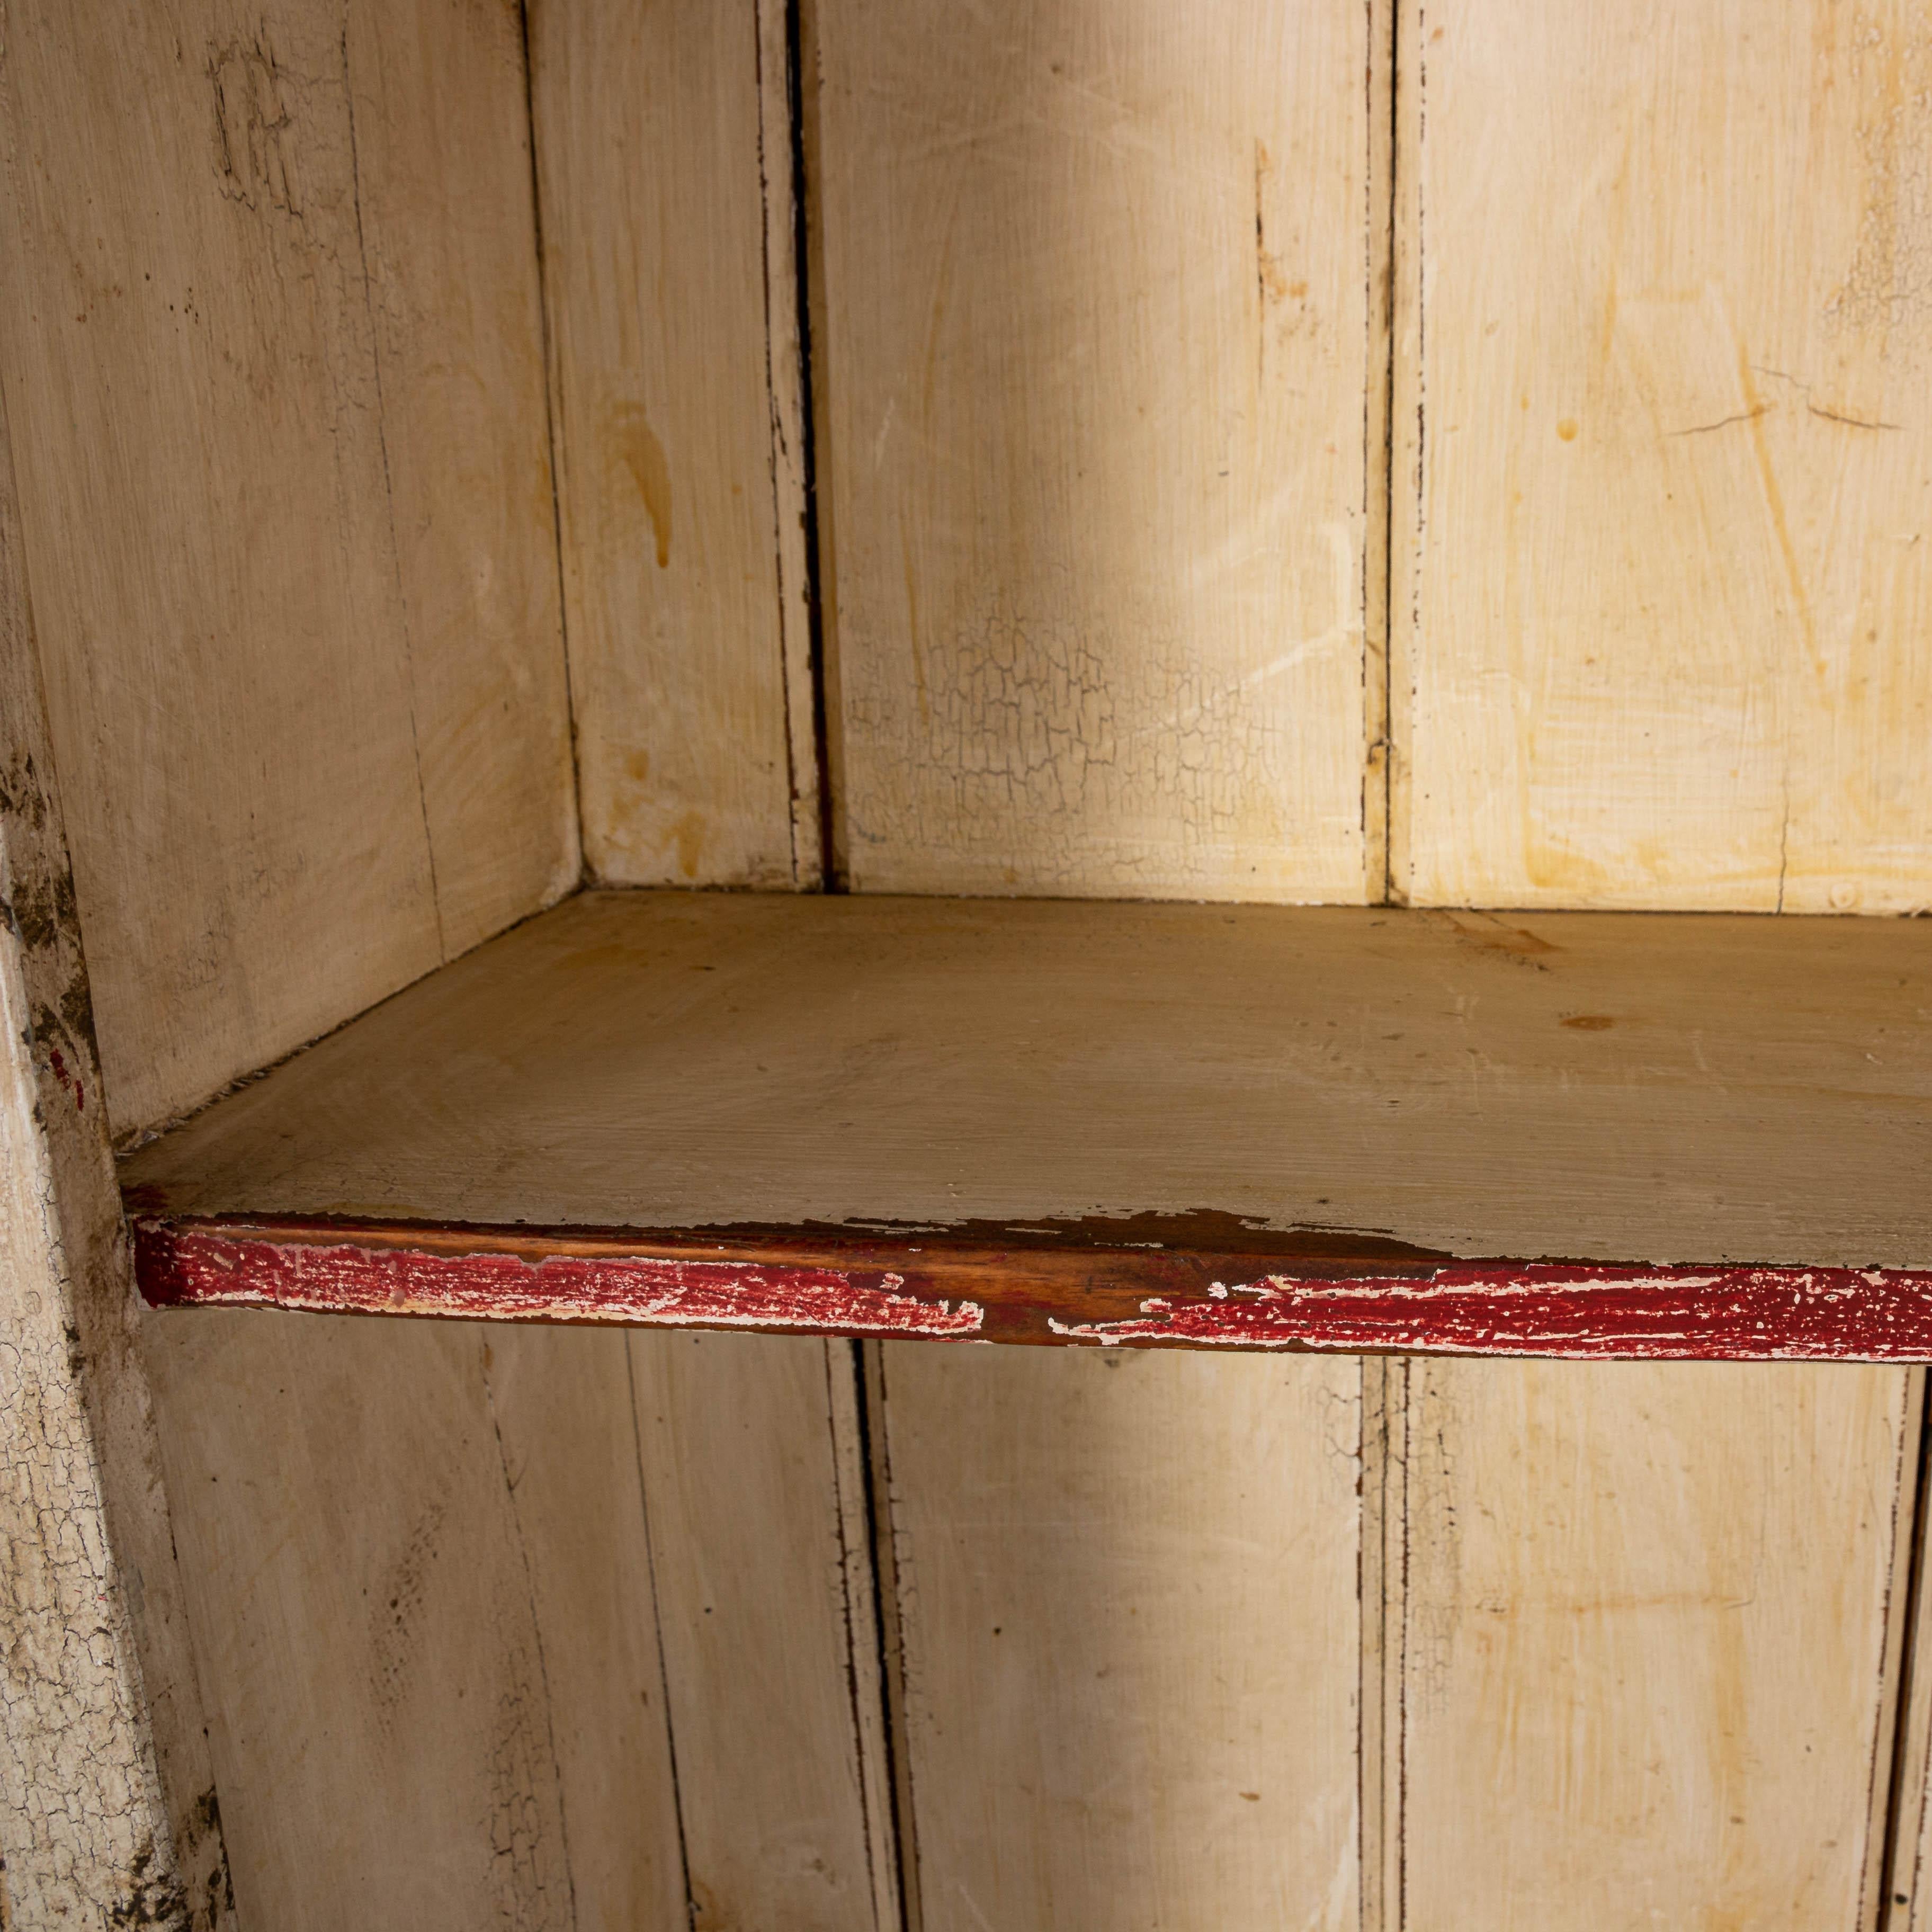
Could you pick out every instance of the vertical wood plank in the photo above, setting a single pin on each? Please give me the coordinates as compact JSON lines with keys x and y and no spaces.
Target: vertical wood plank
{"x":1129,"y":1587}
{"x":109,"y":1812}
{"x":1668,"y":461}
{"x":420,"y":1585}
{"x":770,"y":1649}
{"x":560,"y":1404}
{"x":447,"y":224}
{"x":1645,"y":1671}
{"x":665,"y":162}
{"x":1092,"y":361}
{"x":270,"y":346}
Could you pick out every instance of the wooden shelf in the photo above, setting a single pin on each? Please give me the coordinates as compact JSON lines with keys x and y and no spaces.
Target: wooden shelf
{"x":1574,"y":1134}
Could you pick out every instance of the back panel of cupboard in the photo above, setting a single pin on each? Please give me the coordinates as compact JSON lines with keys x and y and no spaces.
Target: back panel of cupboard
{"x":664,"y":150}
{"x":1710,"y":1645}
{"x":1092,"y":327}
{"x":1093,"y":332}
{"x":1662,"y":576}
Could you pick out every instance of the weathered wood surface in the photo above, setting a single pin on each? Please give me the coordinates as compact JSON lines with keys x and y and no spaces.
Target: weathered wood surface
{"x":665,"y":166}
{"x":1092,"y":353}
{"x":1128,"y":1593}
{"x":1660,"y":635}
{"x":511,"y":1626}
{"x":1658,"y":1090}
{"x":421,"y":1587}
{"x":1641,"y":1627}
{"x":109,"y":1813}
{"x":272,"y":342}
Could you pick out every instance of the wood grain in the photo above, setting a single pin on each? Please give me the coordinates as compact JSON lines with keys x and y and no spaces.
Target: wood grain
{"x":664,"y":163}
{"x":272,"y":357}
{"x":1129,"y":1589}
{"x":1614,"y":1089}
{"x":1661,"y":577}
{"x":769,"y":1648}
{"x":447,"y":227}
{"x":421,"y":1588}
{"x":1643,"y":1642}
{"x":1092,"y":360}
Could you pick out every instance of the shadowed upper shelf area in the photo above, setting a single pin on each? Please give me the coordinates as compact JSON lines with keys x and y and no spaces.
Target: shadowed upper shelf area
{"x":1570,"y":1133}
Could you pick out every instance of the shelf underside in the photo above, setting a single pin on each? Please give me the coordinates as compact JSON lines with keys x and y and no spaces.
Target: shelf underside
{"x":1575,"y":1134}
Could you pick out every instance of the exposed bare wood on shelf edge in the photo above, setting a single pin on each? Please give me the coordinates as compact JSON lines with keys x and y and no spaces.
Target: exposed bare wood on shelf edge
{"x":1315,"y":1296}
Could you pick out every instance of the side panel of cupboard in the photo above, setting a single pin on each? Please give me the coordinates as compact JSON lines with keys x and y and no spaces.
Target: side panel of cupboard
{"x":286,"y":508}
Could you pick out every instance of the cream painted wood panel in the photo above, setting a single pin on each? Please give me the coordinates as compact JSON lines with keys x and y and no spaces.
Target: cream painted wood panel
{"x":1642,"y":1654}
{"x":559,"y":1404}
{"x":420,"y":1588}
{"x":1091,"y":364}
{"x":447,"y":216}
{"x":679,"y":474}
{"x":272,"y":357}
{"x":108,"y":1809}
{"x":1128,"y":1586}
{"x":769,"y":1638}
{"x":1661,"y":602}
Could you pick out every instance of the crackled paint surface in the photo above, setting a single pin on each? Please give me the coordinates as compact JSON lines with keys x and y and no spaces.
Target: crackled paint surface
{"x":108,"y":1812}
{"x":82,"y":1820}
{"x":179,"y":1265}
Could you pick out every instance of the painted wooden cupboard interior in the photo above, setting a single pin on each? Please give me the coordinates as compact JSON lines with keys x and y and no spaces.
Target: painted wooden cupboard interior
{"x":1415,"y":456}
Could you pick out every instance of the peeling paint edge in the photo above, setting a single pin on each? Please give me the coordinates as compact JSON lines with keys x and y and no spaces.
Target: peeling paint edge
{"x":1567,"y":1312}
{"x":179,"y":1267}
{"x":1573,"y":1311}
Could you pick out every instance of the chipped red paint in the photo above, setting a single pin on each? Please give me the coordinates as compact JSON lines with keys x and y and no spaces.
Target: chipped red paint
{"x":67,"y":1082}
{"x":179,"y":1265}
{"x":1575,"y":1312}
{"x":1345,"y":1293}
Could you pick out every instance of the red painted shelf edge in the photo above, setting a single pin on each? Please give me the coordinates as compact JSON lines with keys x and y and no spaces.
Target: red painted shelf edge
{"x":867,"y":1286}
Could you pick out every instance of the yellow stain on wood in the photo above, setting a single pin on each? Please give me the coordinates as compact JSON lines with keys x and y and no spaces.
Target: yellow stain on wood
{"x":634,"y":446}
{"x":687,"y":833}
{"x":1774,"y":503}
